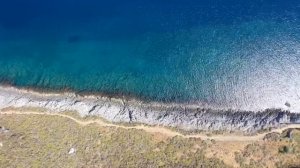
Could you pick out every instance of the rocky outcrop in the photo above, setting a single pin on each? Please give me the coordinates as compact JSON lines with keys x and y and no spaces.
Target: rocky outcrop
{"x":188,"y":118}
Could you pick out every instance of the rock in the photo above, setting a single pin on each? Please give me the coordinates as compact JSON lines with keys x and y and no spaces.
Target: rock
{"x":287,"y":104}
{"x":3,"y":130}
{"x":289,"y":133}
{"x":72,"y":151}
{"x":272,"y":137}
{"x":189,"y":118}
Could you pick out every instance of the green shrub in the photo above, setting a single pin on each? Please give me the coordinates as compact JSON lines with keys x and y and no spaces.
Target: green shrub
{"x":286,"y":149}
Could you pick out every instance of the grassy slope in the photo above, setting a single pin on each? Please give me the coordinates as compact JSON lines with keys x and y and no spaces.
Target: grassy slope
{"x":44,"y":141}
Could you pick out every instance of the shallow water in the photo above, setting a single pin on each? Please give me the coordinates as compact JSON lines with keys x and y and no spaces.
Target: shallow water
{"x":232,"y":54}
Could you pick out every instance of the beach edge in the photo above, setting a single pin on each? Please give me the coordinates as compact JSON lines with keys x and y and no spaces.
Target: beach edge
{"x":186,"y":117}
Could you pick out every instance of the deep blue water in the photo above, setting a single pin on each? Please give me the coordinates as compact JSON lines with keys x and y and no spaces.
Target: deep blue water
{"x":233,"y":53}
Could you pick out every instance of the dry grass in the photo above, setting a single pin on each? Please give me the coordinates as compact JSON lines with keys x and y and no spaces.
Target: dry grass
{"x":45,"y":141}
{"x":268,"y":153}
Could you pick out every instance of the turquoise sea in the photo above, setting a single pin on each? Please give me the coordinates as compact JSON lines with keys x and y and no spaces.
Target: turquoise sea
{"x":235,"y":53}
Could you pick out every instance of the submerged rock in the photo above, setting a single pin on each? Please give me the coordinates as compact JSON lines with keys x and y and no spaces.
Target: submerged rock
{"x":287,"y":104}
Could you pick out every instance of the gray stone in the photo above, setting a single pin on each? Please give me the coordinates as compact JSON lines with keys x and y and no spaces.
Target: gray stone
{"x":186,"y":117}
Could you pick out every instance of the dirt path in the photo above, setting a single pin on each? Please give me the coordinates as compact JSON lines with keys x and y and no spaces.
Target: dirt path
{"x":157,"y":129}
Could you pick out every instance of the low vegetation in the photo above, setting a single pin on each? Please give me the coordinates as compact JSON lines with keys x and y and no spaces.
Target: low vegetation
{"x":275,"y":151}
{"x":54,"y":141}
{"x":46,"y":141}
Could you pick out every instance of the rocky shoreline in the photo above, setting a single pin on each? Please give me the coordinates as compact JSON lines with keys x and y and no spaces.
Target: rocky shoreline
{"x":184,"y":117}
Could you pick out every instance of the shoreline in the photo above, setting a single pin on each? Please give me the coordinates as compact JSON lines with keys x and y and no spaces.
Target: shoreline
{"x":187,"y":117}
{"x":115,"y":96}
{"x":167,"y":132}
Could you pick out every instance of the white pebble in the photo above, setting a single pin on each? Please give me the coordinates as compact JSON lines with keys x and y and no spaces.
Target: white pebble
{"x":72,"y":151}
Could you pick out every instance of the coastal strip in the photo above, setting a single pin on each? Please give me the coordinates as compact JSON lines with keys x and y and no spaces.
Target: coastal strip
{"x":183,"y":117}
{"x":156,"y":129}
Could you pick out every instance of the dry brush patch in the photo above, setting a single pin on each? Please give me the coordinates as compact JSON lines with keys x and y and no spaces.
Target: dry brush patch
{"x":45,"y":141}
